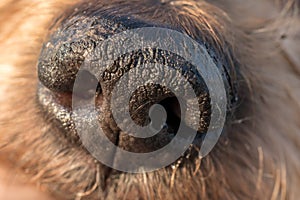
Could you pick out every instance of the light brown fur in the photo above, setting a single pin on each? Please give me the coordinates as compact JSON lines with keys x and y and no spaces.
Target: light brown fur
{"x":258,"y":157}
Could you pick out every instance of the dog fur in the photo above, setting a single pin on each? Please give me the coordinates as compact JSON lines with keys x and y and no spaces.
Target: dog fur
{"x":256,"y":158}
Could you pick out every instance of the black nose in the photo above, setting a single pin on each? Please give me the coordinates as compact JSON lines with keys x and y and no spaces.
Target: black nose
{"x":77,"y":37}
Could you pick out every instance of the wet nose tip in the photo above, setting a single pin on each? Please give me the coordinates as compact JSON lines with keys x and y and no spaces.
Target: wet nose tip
{"x":63,"y":55}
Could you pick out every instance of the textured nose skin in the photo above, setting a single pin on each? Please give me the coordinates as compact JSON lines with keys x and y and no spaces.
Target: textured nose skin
{"x":77,"y":37}
{"x":67,"y":48}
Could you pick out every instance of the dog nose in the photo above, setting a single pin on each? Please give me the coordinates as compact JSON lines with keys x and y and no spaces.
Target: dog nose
{"x":75,"y":39}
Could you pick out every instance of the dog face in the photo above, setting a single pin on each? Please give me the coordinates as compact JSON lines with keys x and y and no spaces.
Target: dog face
{"x":255,"y":46}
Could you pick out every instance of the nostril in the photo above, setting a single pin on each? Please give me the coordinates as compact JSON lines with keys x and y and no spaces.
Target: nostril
{"x":144,"y":98}
{"x":147,"y":96}
{"x":172,"y":106}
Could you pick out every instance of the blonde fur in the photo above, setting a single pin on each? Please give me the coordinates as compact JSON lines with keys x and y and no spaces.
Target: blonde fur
{"x":258,"y":157}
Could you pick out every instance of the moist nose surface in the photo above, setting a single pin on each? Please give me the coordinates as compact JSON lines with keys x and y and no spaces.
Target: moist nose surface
{"x":76,"y":38}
